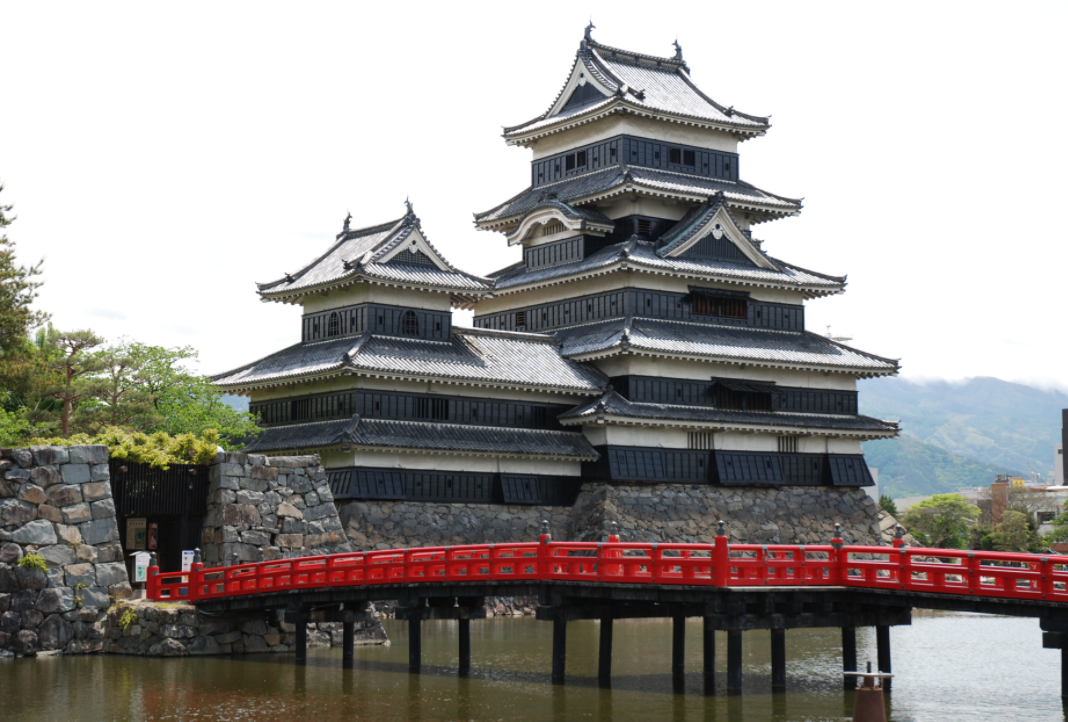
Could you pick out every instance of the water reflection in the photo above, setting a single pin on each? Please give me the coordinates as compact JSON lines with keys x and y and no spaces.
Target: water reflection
{"x":945,"y":664}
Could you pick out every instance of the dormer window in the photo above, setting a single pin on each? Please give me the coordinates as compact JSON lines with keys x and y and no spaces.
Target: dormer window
{"x":724,"y":306}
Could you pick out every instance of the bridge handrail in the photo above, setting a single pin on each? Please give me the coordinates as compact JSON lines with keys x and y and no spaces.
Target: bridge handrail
{"x":949,"y":571}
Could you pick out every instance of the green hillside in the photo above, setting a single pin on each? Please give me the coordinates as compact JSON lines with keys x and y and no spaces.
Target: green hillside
{"x":993,"y":422}
{"x":909,"y":467}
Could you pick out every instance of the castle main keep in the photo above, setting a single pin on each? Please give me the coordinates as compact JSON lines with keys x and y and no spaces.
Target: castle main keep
{"x":645,"y":362}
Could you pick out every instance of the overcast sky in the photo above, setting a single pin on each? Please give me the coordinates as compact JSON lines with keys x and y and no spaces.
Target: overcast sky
{"x":164,"y":157}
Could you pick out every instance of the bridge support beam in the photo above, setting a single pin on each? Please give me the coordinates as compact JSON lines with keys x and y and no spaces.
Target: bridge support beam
{"x":415,"y":644}
{"x":559,"y":649}
{"x":709,"y":650}
{"x":604,"y":658}
{"x":678,"y":645}
{"x":348,"y":640}
{"x":778,"y":659}
{"x":882,"y":643}
{"x":734,"y":661}
{"x":464,"y":632}
{"x":302,"y":639}
{"x":849,"y":656}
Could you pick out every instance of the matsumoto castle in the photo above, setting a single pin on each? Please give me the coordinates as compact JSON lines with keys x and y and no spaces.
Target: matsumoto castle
{"x":645,"y":337}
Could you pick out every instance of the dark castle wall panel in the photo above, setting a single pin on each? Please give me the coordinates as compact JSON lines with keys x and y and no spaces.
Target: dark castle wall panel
{"x":642,"y":303}
{"x":452,"y":487}
{"x":377,"y":318}
{"x":687,"y":392}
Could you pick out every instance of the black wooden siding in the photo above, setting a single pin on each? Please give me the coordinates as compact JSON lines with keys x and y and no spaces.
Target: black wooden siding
{"x":723,"y":248}
{"x":553,"y":254}
{"x":408,"y":407}
{"x":642,"y":303}
{"x":688,"y":466}
{"x":143,"y":490}
{"x":687,"y":392}
{"x":377,"y":318}
{"x":452,"y":487}
{"x":632,"y":150}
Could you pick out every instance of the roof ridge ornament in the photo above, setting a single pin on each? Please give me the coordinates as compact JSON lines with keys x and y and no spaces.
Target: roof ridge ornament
{"x":588,"y":36}
{"x":678,"y":49}
{"x":348,"y":220}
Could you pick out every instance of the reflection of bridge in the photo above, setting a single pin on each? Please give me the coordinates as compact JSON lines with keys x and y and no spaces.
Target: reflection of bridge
{"x":732,"y":587}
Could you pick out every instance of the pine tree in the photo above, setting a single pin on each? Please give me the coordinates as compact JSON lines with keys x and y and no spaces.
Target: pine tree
{"x":18,"y":288}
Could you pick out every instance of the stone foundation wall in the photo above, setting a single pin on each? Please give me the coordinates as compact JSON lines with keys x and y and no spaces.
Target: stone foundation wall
{"x":281,"y":504}
{"x":56,"y":501}
{"x":177,"y":630}
{"x":645,"y":512}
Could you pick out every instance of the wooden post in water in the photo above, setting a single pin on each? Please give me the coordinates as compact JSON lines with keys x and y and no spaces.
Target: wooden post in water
{"x":302,"y":638}
{"x":559,"y":648}
{"x":348,"y":640}
{"x":678,"y":644}
{"x":849,"y":655}
{"x":415,"y":642}
{"x":464,"y":630}
{"x":709,"y":654}
{"x":882,"y":643}
{"x":778,"y":659}
{"x":734,"y":661}
{"x":604,"y":659}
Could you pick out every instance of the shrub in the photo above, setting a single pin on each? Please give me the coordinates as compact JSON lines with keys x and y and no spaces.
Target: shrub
{"x":128,"y":618}
{"x":159,"y":449}
{"x":33,"y":560}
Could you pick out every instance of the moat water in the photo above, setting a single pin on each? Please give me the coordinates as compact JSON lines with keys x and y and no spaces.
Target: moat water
{"x":947,"y":667}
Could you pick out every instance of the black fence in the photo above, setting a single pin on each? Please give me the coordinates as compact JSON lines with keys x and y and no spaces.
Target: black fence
{"x":143,"y":490}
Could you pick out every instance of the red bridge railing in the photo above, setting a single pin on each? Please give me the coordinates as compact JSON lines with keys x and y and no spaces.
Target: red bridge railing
{"x":946,"y":571}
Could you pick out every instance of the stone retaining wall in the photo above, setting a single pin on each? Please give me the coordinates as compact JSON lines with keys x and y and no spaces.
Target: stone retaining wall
{"x":177,"y":630}
{"x":281,"y":504}
{"x":56,"y":501}
{"x":644,"y":512}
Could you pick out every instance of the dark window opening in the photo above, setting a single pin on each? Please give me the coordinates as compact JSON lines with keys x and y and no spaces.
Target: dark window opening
{"x":437,"y":326}
{"x":410,"y":324}
{"x":732,"y":400}
{"x":333,"y":326}
{"x":675,"y":155}
{"x":689,"y":157}
{"x":580,"y":158}
{"x":300,"y":410}
{"x":520,"y":318}
{"x":557,"y":167}
{"x":723,"y":306}
{"x":537,"y":417}
{"x":433,"y":409}
{"x":569,"y":162}
{"x":727,"y":166}
{"x":656,"y":155}
{"x":612,"y":152}
{"x":645,"y":227}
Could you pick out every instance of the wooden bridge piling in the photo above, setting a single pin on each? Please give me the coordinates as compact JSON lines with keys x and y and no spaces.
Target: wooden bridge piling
{"x":709,"y":653}
{"x":559,"y":649}
{"x":463,"y":630}
{"x":882,"y":644}
{"x":734,"y":661}
{"x":604,"y":657}
{"x":849,"y":656}
{"x":678,"y":644}
{"x":778,"y":659}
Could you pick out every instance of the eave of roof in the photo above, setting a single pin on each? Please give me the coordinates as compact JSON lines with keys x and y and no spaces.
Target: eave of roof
{"x":613,"y":409}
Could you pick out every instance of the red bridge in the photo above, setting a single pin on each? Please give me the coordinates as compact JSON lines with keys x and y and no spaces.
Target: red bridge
{"x":733,"y":587}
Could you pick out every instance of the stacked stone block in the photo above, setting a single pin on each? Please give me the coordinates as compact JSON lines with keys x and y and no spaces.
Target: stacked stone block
{"x":56,"y":501}
{"x":644,"y":512}
{"x":279,"y":504}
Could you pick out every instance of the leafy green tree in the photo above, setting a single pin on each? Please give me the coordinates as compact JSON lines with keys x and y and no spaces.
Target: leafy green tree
{"x":942,"y":521}
{"x":75,"y":367}
{"x":1013,"y":533}
{"x":120,"y":391}
{"x":887,"y":504}
{"x":18,"y":288}
{"x":13,"y":428}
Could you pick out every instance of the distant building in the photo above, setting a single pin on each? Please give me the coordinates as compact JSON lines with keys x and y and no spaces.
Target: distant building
{"x":645,"y":336}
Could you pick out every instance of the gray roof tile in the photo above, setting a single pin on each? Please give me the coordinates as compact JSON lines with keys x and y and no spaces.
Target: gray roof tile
{"x":643,"y":254}
{"x":577,"y":189}
{"x":778,"y":348}
{"x":645,"y":82}
{"x":612,"y":404}
{"x":474,"y":355}
{"x":446,"y":438}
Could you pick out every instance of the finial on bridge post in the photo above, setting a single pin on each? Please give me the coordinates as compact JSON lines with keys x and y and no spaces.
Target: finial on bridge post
{"x":546,"y":535}
{"x":152,"y":562}
{"x":196,"y":555}
{"x":261,"y":554}
{"x":721,"y":529}
{"x":899,"y":537}
{"x":233,"y":560}
{"x":837,"y":542}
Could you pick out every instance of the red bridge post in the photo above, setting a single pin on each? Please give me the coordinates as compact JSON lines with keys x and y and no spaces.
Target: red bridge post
{"x":152,"y":586}
{"x":196,"y":576}
{"x":722,"y":556}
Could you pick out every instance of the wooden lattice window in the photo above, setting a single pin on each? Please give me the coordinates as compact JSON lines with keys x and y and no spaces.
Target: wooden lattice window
{"x":645,"y":227}
{"x":701,"y":440}
{"x":333,"y":326}
{"x":410,"y":324}
{"x":520,"y":318}
{"x":433,"y":409}
{"x":706,"y":304}
{"x":689,"y":157}
{"x":737,"y":397}
{"x":787,"y":444}
{"x":675,"y":155}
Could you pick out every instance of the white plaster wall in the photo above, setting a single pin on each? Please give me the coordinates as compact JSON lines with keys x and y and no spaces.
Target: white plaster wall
{"x":640,"y":205}
{"x":639,"y":436}
{"x":703,"y":370}
{"x":843,"y":446}
{"x":736,"y":441}
{"x":630,"y":125}
{"x":616,"y":280}
{"x":430,"y":462}
{"x":372,"y":293}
